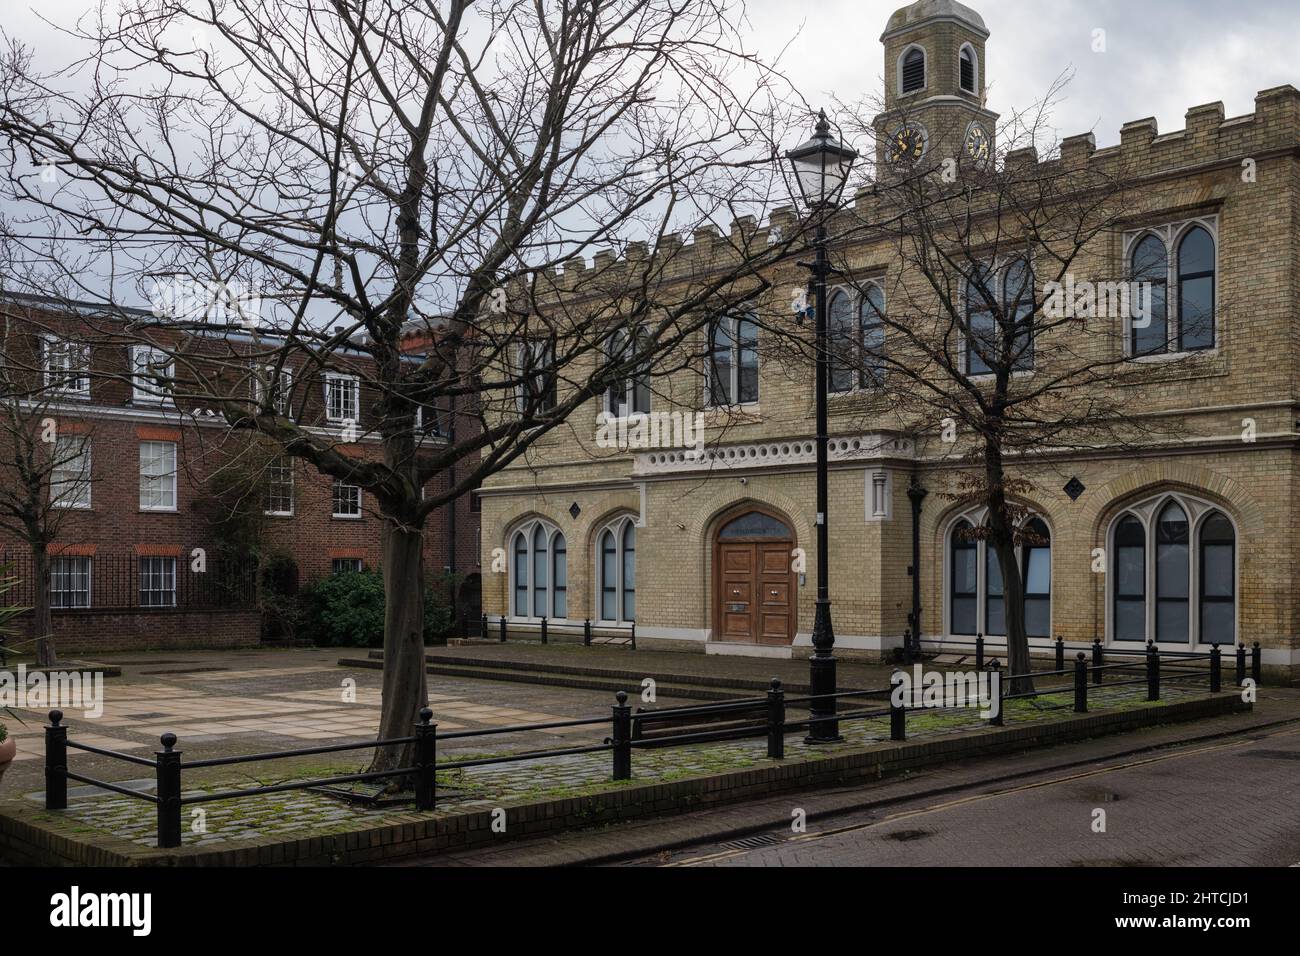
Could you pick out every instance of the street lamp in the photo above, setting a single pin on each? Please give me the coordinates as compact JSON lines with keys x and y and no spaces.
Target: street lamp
{"x":821,"y":167}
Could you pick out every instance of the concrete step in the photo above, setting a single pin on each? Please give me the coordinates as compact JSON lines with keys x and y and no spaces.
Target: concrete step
{"x":503,"y":668}
{"x":531,"y":674}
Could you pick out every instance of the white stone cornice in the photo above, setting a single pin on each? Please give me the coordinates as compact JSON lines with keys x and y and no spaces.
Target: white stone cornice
{"x":778,"y":453}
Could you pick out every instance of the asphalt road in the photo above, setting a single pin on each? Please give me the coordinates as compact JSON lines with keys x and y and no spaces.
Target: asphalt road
{"x":1227,"y":802}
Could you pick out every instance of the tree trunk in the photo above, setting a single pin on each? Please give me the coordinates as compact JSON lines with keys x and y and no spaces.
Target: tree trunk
{"x":1002,"y":540}
{"x":41,"y":630}
{"x":405,"y":691}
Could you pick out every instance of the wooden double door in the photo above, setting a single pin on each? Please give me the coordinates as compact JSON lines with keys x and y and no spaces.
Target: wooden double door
{"x":754,"y":593}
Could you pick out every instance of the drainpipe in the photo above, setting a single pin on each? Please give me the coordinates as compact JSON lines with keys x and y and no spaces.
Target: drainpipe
{"x":916,"y":494}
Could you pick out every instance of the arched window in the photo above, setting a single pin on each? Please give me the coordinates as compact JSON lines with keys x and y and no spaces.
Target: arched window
{"x":1150,"y":265}
{"x":842,"y":327}
{"x":1130,"y":580}
{"x":1196,"y":291}
{"x":733,"y":361}
{"x":540,"y":570}
{"x":1173,"y":575}
{"x":976,"y":591}
{"x":965,"y":579}
{"x":1036,"y":572}
{"x":1192,"y":564}
{"x":1010,"y":326}
{"x":871,"y":311}
{"x":968,"y":69}
{"x":857,"y":339}
{"x":616,"y":566}
{"x":630,"y":394}
{"x":1218,"y":559}
{"x":912,"y":72}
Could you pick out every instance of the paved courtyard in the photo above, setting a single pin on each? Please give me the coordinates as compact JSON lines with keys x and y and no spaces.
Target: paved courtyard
{"x":228,"y":703}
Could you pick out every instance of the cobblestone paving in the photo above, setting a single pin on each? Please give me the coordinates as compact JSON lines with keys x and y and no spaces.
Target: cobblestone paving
{"x":502,"y":784}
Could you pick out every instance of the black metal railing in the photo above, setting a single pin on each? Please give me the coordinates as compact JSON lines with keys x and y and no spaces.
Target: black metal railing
{"x":625,"y":635}
{"x":704,"y":723}
{"x":117,"y":582}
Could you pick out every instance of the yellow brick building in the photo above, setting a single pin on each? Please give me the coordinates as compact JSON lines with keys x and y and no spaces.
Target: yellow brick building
{"x":1188,"y":541}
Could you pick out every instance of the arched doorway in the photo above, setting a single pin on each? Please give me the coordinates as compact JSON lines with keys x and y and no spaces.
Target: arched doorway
{"x":754,"y":582}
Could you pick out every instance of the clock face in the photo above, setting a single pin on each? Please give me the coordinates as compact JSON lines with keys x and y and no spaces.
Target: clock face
{"x":977,"y":145}
{"x":907,"y":144}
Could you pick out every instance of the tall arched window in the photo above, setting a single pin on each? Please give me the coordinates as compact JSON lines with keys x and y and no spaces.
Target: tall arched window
{"x":1150,"y":265}
{"x":1191,"y":564}
{"x":1130,"y":580}
{"x":1010,"y":326}
{"x":1173,"y":575}
{"x":976,"y":592}
{"x":540,"y":570}
{"x":630,"y":394}
{"x":842,"y":327}
{"x":733,"y":361}
{"x":1036,"y":573}
{"x":912,"y":71}
{"x":1196,"y":290}
{"x":968,"y":70}
{"x":857,"y":339}
{"x":965,"y":579}
{"x":616,"y":567}
{"x":1218,"y":582}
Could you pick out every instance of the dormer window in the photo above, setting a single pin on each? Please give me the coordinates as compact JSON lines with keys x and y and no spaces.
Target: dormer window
{"x":969,"y":83}
{"x":913,"y":71}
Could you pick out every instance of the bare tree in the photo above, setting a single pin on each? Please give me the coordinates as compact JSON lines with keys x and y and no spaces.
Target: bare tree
{"x":340,"y":172}
{"x":1001,"y":335}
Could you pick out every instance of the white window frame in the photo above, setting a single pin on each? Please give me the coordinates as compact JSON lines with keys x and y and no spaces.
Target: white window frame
{"x":59,"y":378}
{"x":162,"y":573}
{"x":532,"y":355}
{"x":551,"y":533}
{"x":59,"y":572}
{"x":274,"y":466}
{"x":356,"y":566}
{"x":733,"y":385}
{"x":143,"y":357}
{"x":351,"y":395}
{"x":617,"y":528}
{"x":619,"y":346}
{"x":64,"y":479}
{"x":262,"y":378}
{"x":164,"y":483}
{"x":999,"y":270}
{"x":1171,"y":235}
{"x":1147,"y":511}
{"x":977,"y":517}
{"x":335,"y":489}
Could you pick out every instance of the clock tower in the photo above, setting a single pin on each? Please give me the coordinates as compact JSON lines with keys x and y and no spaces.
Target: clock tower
{"x":934,"y":87}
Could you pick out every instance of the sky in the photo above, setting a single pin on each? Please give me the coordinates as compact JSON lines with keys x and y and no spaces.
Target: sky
{"x":1161,"y":56}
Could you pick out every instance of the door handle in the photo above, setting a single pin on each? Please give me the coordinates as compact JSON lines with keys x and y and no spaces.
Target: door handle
{"x":773,"y":593}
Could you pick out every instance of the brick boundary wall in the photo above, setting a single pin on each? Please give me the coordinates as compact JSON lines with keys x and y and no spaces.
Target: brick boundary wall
{"x":25,"y":839}
{"x":89,"y":632}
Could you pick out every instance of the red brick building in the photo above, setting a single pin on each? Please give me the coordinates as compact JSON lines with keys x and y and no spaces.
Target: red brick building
{"x":143,"y":554}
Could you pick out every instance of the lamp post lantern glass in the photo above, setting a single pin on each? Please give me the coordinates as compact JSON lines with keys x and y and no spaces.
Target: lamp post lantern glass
{"x":821,"y":167}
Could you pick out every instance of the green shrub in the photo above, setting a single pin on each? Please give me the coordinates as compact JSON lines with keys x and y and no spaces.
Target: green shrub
{"x":347,"y":610}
